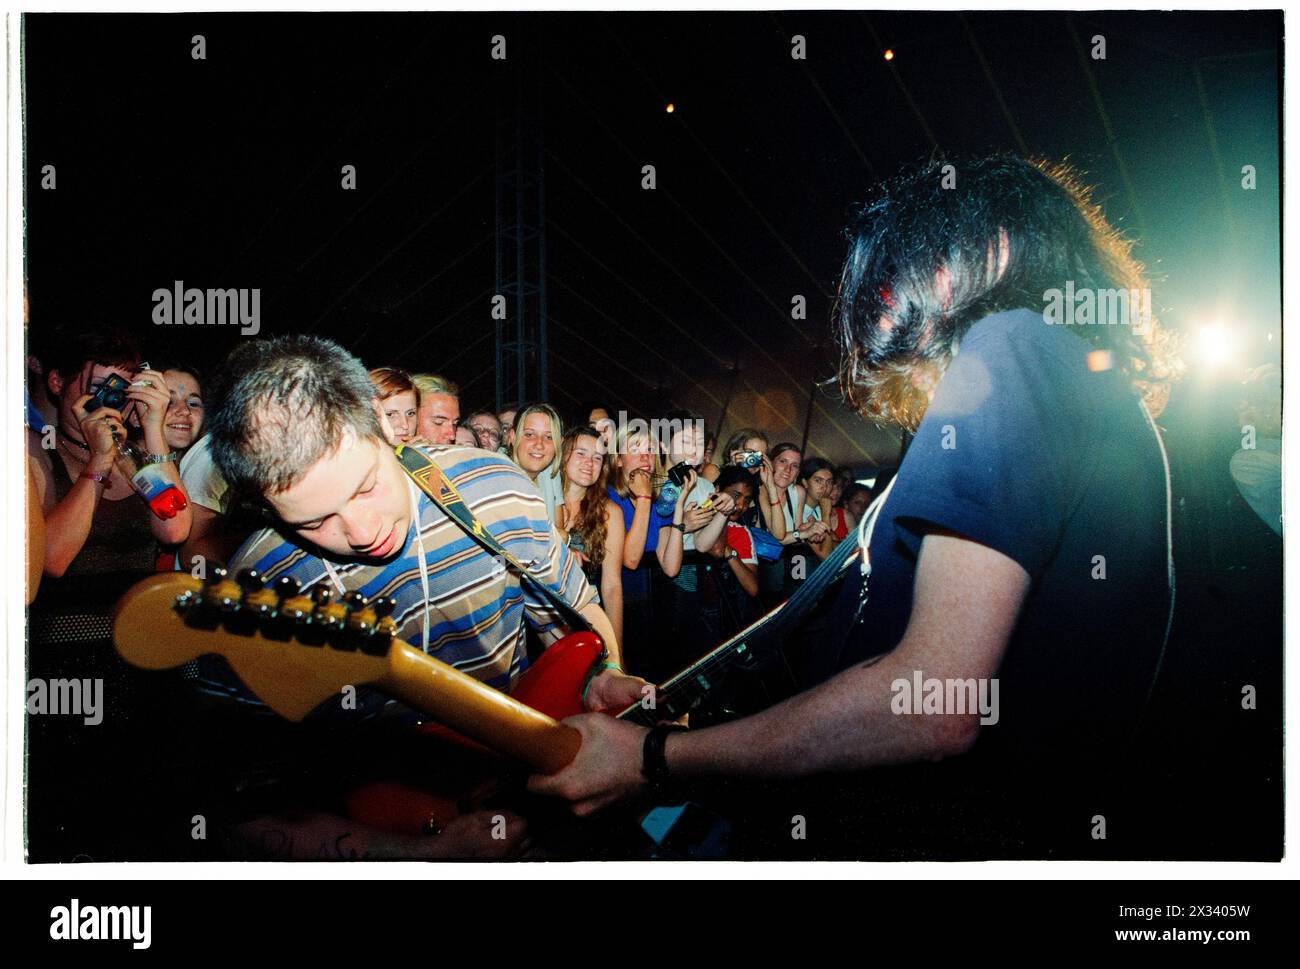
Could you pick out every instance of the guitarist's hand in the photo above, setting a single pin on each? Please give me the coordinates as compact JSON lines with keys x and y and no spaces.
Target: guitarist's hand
{"x":607,"y":769}
{"x":614,"y":692}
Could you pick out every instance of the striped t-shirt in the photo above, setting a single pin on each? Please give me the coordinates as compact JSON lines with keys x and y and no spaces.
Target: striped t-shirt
{"x":477,"y":605}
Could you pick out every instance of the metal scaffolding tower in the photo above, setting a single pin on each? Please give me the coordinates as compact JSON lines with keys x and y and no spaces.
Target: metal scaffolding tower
{"x":522,"y":372}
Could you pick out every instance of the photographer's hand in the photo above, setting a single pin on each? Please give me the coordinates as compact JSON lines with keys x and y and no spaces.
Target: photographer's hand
{"x":101,"y":430}
{"x":149,"y":390}
{"x":638,"y":483}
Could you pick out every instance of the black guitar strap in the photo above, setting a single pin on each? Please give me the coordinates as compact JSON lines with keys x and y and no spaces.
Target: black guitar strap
{"x":429,"y":478}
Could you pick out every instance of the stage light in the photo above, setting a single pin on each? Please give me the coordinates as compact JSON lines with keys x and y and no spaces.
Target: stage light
{"x":671,"y":108}
{"x":1216,"y":345}
{"x":889,"y":55}
{"x":1099,"y":360}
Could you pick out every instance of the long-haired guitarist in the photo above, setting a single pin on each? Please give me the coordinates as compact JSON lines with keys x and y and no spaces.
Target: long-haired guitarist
{"x":1020,"y":580}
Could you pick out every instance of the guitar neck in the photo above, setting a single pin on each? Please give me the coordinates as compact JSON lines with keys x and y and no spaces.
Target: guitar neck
{"x":679,"y":695}
{"x":473,"y":708}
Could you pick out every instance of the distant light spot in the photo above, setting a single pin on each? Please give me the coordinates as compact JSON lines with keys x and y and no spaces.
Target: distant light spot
{"x":671,"y":107}
{"x":889,"y":55}
{"x":1099,"y":360}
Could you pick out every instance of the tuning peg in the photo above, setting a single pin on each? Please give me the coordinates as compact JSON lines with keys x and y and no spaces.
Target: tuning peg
{"x":322,"y":595}
{"x":250,"y":580}
{"x":287,"y":586}
{"x":383,"y":606}
{"x":354,"y":601}
{"x":259,"y":601}
{"x":221,"y":591}
{"x":294,"y":607}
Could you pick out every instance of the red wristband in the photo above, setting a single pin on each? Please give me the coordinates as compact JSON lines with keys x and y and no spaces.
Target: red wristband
{"x":646,"y":497}
{"x":101,"y":478}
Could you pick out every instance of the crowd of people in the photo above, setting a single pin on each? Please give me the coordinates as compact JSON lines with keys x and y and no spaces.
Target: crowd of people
{"x":981,"y":566}
{"x":680,"y":560}
{"x":681,"y":545}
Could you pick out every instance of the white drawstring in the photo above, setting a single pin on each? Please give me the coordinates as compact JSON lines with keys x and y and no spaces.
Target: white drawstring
{"x":419,"y":544}
{"x":867,"y":527}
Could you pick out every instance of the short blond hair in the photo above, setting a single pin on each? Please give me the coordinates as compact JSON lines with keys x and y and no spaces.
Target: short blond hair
{"x":428,"y":383}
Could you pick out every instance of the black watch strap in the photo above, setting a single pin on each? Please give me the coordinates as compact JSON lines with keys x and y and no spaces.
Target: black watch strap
{"x":654,"y":765}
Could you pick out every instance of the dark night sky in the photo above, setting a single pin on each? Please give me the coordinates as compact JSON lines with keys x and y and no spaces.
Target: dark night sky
{"x":226,"y":172}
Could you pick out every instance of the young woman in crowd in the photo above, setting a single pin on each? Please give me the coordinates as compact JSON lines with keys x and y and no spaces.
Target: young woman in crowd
{"x":95,"y":521}
{"x":603,"y":418}
{"x":764,"y":512}
{"x":690,"y":608}
{"x":591,"y":523}
{"x":99,"y":539}
{"x":786,"y":516}
{"x":183,"y":424}
{"x":537,"y":435}
{"x":637,"y":469}
{"x":399,"y":400}
{"x":182,"y":428}
{"x":850,"y":509}
{"x":465,"y":437}
{"x":735,"y":547}
{"x":813,"y":489}
{"x":486,"y":429}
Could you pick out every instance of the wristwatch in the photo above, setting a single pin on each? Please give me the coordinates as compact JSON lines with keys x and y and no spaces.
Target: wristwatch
{"x":654,"y":765}
{"x":680,"y":526}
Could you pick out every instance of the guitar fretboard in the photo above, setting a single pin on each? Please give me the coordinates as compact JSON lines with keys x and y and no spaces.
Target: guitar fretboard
{"x":677,"y":696}
{"x":680,"y":694}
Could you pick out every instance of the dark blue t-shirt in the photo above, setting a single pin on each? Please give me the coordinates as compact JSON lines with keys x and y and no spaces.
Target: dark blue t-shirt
{"x":1028,"y":450}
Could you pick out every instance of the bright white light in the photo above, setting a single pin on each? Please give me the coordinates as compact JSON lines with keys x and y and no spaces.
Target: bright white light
{"x":1216,"y":345}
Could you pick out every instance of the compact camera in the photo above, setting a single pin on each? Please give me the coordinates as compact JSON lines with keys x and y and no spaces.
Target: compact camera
{"x":678,"y":472}
{"x":111,"y":393}
{"x":750,"y":459}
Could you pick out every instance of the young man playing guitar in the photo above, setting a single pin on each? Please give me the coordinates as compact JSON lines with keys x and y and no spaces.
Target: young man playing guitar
{"x":1025,"y":544}
{"x":296,"y":422}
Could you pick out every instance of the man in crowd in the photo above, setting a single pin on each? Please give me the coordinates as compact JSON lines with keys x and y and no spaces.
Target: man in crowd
{"x":507,"y":419}
{"x":439,"y":408}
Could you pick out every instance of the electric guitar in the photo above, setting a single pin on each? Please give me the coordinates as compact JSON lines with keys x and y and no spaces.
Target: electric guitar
{"x":297,"y":648}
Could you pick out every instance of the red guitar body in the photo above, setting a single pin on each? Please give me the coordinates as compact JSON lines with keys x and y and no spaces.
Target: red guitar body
{"x":552,"y":685}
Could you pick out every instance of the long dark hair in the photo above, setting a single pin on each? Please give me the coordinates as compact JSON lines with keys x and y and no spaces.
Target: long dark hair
{"x":591,"y":523}
{"x":962,"y":222}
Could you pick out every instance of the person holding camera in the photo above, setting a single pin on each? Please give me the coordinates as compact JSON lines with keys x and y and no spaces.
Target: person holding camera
{"x":94,"y":523}
{"x":748,"y":448}
{"x":691,"y":606}
{"x":99,"y":538}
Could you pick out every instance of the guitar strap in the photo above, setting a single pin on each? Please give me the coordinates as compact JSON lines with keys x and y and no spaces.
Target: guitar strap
{"x":429,"y":478}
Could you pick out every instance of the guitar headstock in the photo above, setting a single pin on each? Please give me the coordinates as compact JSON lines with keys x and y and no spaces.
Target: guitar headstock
{"x":293,"y":647}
